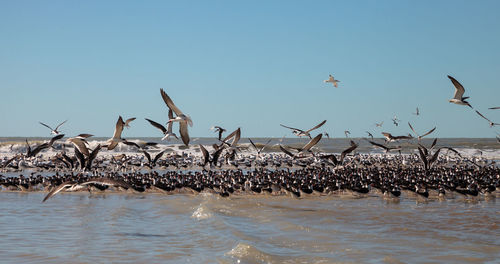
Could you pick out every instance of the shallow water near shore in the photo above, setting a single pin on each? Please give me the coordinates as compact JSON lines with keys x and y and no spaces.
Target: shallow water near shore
{"x":206,"y":228}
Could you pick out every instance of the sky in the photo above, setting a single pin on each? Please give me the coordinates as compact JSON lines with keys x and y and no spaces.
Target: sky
{"x":249,"y":64}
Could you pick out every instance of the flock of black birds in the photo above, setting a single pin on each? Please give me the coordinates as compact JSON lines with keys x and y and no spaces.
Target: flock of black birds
{"x":298,"y":171}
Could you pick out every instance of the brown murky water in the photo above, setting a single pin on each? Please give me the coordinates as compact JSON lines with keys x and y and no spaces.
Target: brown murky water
{"x":131,"y":228}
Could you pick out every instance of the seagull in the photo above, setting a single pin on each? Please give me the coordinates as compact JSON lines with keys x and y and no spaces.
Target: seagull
{"x":117,"y":135}
{"x":420,"y":137}
{"x":166,"y":131}
{"x":417,"y":113}
{"x":127,"y":122}
{"x":184,"y":120}
{"x":390,"y":138}
{"x":332,"y":80}
{"x":491,"y":123}
{"x":302,"y":133}
{"x":218,"y":129}
{"x":459,"y":92}
{"x":379,"y":124}
{"x":54,"y":131}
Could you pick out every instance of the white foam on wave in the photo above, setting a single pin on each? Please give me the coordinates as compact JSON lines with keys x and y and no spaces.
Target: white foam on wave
{"x":201,"y":213}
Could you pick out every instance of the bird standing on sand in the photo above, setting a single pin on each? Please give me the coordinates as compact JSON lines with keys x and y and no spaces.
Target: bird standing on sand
{"x":458,"y":97}
{"x":332,"y":80}
{"x":184,"y":120}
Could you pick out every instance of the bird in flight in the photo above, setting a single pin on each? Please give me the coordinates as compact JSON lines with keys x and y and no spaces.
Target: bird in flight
{"x":417,"y":112}
{"x":54,"y":131}
{"x":184,"y":120}
{"x":396,"y":121}
{"x":492,"y":124}
{"x":458,"y":97}
{"x":332,"y":80}
{"x":304,"y":133}
{"x":420,"y":137}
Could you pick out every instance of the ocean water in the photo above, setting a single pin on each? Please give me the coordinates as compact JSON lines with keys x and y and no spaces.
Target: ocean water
{"x":481,"y":147}
{"x":152,"y":228}
{"x":179,"y":228}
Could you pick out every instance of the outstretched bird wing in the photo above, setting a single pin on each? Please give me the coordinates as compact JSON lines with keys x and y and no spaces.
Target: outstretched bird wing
{"x":459,"y":89}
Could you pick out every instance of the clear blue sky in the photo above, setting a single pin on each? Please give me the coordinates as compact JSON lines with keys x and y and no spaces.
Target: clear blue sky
{"x":248,"y":64}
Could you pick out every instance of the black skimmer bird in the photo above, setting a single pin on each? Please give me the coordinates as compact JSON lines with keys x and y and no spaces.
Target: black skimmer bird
{"x":304,"y":133}
{"x":33,"y":152}
{"x":152,"y":162}
{"x":458,"y":97}
{"x":386,"y":148}
{"x":184,"y":120}
{"x":74,"y":185}
{"x":167,"y":132}
{"x":218,"y":129}
{"x":332,"y":80}
{"x":307,"y":147}
{"x":347,"y":133}
{"x":395,"y":120}
{"x":326,"y":135}
{"x":127,"y":122}
{"x":54,"y":131}
{"x":420,"y":137}
{"x":259,"y":150}
{"x":117,"y":135}
{"x":215,"y":155}
{"x":390,"y":138}
{"x":369,"y":134}
{"x":417,"y":112}
{"x":80,"y":144}
{"x":492,"y":124}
